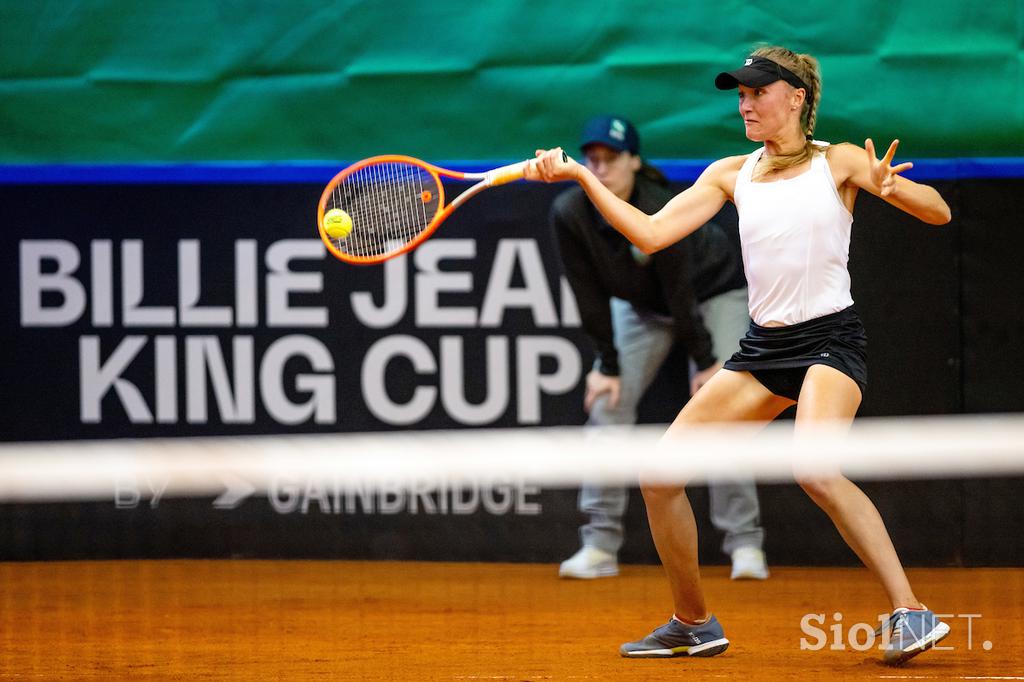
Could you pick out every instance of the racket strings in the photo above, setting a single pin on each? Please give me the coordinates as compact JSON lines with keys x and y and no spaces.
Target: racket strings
{"x":390,"y":204}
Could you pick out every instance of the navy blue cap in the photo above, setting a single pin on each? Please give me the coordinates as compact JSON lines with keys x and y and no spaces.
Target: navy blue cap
{"x":612,"y":131}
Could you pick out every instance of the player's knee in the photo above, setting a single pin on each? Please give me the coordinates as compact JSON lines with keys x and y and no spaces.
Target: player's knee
{"x":657,"y":493}
{"x":823,"y":490}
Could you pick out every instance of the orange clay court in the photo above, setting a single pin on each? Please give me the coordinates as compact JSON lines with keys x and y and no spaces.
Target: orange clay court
{"x":345,"y":620}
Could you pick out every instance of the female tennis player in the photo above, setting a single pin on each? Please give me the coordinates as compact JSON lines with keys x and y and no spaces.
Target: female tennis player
{"x":806,"y":344}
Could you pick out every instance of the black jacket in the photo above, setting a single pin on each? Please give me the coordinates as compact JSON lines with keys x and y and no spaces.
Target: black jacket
{"x":600,"y":263}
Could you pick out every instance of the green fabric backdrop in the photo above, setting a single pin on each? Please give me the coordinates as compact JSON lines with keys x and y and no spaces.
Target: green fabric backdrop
{"x":208,"y":80}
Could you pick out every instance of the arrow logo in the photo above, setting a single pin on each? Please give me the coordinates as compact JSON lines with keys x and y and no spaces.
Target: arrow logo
{"x":236,"y":490}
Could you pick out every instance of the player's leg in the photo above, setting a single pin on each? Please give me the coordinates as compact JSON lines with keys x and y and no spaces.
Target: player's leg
{"x":728,"y":397}
{"x":828,"y":394}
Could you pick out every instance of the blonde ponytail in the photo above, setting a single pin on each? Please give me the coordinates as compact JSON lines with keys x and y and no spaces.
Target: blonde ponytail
{"x":806,"y":68}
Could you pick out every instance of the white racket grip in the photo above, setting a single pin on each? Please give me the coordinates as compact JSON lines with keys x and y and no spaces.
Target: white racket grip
{"x":511,"y":173}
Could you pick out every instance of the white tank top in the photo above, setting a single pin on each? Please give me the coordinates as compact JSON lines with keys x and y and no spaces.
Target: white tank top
{"x":795,"y":236}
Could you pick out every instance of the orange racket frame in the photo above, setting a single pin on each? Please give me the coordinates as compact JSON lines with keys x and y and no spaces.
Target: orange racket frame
{"x":492,"y":178}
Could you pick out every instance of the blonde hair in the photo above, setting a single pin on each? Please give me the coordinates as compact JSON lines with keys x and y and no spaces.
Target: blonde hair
{"x":805,"y":67}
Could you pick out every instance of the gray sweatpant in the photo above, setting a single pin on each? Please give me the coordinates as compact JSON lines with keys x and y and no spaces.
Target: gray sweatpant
{"x":643,"y":343}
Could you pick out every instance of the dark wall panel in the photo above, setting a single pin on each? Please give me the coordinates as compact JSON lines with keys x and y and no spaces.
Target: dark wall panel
{"x":944,"y":309}
{"x":991,"y":215}
{"x":906,"y":283}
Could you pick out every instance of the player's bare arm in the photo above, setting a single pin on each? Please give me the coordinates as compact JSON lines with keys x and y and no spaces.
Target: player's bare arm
{"x":859,"y":167}
{"x":686,"y":212}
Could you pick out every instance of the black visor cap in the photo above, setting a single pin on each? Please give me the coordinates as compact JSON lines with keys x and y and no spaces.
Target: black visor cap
{"x":757,"y":72}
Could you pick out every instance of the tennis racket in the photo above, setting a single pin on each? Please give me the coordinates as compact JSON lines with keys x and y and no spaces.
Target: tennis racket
{"x":384,"y":206}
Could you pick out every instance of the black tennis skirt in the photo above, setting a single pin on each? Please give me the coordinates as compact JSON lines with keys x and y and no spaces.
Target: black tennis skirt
{"x":778,"y":357}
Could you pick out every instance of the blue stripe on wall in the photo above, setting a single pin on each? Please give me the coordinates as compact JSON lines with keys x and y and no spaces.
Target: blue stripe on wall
{"x":679,"y":170}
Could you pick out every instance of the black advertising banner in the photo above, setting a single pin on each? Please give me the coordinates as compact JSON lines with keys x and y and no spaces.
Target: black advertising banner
{"x":201,"y":310}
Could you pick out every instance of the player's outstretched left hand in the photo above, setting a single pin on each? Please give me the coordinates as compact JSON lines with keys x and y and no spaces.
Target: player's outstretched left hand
{"x":883,"y":173}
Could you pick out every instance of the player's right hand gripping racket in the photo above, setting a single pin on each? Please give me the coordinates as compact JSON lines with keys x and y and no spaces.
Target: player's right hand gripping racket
{"x":384,"y":206}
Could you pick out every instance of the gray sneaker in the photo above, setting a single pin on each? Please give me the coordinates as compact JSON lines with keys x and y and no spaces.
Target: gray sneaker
{"x":910,"y":633}
{"x":676,"y":639}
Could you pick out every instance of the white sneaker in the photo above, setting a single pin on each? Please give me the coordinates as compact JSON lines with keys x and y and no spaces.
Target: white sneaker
{"x":589,"y":562}
{"x":748,"y":563}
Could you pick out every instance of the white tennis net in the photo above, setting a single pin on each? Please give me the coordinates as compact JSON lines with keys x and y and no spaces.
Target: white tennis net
{"x":890,"y":448}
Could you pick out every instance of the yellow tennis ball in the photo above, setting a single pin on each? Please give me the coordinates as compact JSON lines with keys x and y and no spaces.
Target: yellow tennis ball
{"x":337,"y":223}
